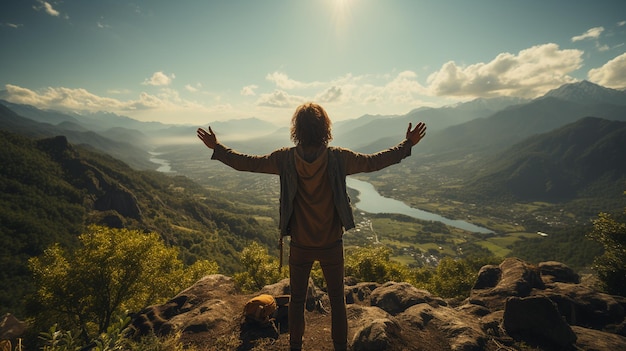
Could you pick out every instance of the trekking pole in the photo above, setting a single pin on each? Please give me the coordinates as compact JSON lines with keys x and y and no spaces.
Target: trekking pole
{"x":280,"y":260}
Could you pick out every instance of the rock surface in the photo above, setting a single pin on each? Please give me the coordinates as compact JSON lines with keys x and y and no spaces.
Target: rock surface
{"x":542,"y":307}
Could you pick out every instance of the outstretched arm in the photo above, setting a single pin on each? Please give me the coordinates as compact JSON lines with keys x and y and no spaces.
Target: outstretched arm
{"x":207,"y":137}
{"x":269,"y":163}
{"x":357,"y":162}
{"x":417,"y":133}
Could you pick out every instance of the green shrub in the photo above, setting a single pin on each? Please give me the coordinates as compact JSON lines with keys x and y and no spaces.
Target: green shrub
{"x":372,"y":264}
{"x":112,"y":271}
{"x":260,"y":269}
{"x":611,"y":265}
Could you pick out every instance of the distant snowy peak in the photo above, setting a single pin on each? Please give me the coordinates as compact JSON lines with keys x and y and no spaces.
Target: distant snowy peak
{"x":585,"y":92}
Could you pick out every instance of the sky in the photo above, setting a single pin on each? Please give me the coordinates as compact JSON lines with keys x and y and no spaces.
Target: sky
{"x":194,"y":62}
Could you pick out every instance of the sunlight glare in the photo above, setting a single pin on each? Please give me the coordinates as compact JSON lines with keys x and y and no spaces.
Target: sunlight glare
{"x":341,"y":14}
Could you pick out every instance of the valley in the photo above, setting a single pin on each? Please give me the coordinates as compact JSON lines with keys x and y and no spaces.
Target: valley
{"x":419,"y":183}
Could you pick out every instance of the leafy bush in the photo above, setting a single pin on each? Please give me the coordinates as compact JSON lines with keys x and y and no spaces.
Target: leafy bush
{"x":611,"y":265}
{"x":451,"y":278}
{"x":111,"y":272}
{"x":454,"y":278}
{"x":372,"y":264}
{"x":260,"y":269}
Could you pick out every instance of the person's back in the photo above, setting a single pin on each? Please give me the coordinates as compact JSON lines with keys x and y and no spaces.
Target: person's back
{"x":314,"y":223}
{"x":315,"y":207}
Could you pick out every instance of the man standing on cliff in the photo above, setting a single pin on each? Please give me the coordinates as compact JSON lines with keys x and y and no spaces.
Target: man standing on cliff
{"x":314,"y":205}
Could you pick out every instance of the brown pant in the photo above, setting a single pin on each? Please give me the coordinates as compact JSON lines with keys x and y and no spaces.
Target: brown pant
{"x":332,"y":263}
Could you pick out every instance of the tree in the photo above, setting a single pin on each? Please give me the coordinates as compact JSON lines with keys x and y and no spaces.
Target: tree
{"x":374,"y":265}
{"x":111,"y":272}
{"x":453,"y":278}
{"x":260,"y":268}
{"x":611,"y":265}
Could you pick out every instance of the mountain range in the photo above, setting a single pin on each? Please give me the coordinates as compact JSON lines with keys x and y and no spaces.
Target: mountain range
{"x":582,"y":159}
{"x":512,"y":125}
{"x":113,"y":141}
{"x":500,"y":134}
{"x":478,"y":125}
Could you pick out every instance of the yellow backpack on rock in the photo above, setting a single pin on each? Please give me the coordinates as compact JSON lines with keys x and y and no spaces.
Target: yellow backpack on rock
{"x":260,"y":309}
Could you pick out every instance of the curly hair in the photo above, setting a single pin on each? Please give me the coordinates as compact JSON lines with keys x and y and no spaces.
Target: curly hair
{"x":310,"y":125}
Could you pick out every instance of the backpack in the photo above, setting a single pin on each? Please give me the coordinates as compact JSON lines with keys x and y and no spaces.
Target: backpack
{"x":260,"y":309}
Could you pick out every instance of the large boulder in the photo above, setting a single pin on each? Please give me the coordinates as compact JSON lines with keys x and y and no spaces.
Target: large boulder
{"x":538,"y":321}
{"x":585,"y":307}
{"x":374,"y":329}
{"x":591,"y":339}
{"x":198,"y":308}
{"x":359,"y":292}
{"x":513,"y":277}
{"x":488,"y":277}
{"x":396,"y":297}
{"x":552,"y":271}
{"x":462,"y":330}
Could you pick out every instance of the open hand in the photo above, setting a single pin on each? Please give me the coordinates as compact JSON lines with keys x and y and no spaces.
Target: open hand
{"x":417,"y":133}
{"x":208,"y":138}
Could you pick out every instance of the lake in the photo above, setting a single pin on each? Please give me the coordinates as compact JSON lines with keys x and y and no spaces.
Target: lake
{"x":369,"y":200}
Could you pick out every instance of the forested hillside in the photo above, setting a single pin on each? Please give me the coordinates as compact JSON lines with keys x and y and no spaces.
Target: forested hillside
{"x":51,"y":190}
{"x":582,"y":160}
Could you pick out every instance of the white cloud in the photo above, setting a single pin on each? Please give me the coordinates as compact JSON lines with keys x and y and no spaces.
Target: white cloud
{"x":44,"y":5}
{"x":145,"y":102}
{"x":530,"y":73}
{"x":11,"y":25}
{"x":248,"y":90}
{"x":119,"y":91}
{"x":402,"y":87}
{"x":102,"y":25}
{"x":283,"y":81}
{"x":279,"y":98}
{"x":193,"y":89}
{"x":405,"y":87}
{"x":61,"y":98}
{"x":81,"y":100}
{"x":612,"y":74}
{"x":593,"y":33}
{"x":332,"y":94}
{"x":621,"y":23}
{"x":167,"y":106}
{"x":159,"y":79}
{"x":601,"y":47}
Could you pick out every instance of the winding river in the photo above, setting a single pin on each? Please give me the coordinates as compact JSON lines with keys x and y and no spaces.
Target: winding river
{"x":369,"y":200}
{"x":164,"y":165}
